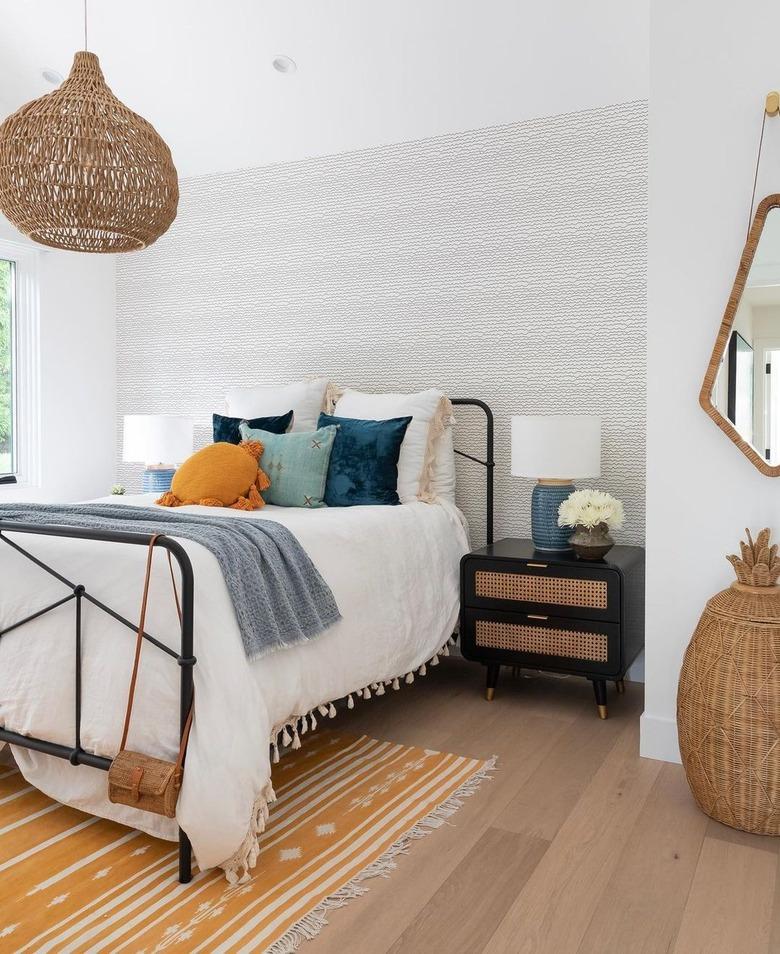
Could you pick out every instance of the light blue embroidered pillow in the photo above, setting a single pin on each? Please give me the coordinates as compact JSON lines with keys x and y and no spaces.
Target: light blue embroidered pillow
{"x":296,"y":463}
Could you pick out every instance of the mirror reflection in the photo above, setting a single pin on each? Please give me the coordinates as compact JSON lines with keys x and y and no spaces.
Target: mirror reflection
{"x":747,"y":385}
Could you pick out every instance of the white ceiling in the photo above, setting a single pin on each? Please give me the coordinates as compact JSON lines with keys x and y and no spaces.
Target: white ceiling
{"x":368,"y":73}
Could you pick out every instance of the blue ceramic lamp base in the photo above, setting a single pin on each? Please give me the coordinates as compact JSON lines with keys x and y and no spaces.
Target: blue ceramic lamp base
{"x":545,"y":500}
{"x":157,"y":480}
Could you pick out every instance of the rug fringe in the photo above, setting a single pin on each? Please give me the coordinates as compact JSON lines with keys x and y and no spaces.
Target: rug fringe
{"x":310,"y":925}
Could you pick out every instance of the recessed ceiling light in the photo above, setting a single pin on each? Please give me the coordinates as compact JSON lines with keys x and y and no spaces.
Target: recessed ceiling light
{"x":52,"y":76}
{"x":283,"y":64}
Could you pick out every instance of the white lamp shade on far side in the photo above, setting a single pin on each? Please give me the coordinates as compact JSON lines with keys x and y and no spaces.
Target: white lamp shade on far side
{"x":556,"y":446}
{"x":156,"y":438}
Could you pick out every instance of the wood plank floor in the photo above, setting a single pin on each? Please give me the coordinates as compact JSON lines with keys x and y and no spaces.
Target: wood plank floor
{"x":576,"y":845}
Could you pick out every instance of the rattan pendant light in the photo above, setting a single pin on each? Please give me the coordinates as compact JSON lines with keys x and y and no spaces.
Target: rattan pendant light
{"x":81,"y":171}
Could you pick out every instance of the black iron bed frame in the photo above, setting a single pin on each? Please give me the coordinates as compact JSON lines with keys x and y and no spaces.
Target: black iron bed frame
{"x":185,"y":658}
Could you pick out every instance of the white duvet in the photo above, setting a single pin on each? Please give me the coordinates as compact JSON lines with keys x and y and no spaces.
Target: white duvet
{"x":392,"y":570}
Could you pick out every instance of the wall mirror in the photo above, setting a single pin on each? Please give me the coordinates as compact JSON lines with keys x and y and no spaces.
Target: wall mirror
{"x":741,"y":390}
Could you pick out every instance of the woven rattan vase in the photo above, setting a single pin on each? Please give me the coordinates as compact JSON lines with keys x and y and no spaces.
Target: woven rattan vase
{"x":728,"y":702}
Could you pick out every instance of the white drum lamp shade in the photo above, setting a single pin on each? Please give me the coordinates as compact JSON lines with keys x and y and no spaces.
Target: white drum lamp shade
{"x":555,"y":449}
{"x":159,"y":441}
{"x":156,"y":438}
{"x":556,"y":446}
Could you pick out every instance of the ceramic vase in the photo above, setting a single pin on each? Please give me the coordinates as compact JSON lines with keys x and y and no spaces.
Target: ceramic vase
{"x":591,"y":543}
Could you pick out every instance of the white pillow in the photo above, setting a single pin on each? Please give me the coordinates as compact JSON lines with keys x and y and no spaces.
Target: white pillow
{"x":421,"y":475}
{"x":304,"y":398}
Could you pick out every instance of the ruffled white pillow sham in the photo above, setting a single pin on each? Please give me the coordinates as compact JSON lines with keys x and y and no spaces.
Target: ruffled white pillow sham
{"x":426,"y":465}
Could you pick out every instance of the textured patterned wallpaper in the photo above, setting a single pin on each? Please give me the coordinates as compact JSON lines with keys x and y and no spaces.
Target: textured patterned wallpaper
{"x":505,"y":263}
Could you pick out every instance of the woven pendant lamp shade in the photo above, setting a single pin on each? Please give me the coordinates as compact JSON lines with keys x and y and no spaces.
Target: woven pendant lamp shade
{"x":81,"y":171}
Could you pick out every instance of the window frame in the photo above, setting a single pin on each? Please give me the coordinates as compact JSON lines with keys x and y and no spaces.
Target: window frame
{"x":25,"y":366}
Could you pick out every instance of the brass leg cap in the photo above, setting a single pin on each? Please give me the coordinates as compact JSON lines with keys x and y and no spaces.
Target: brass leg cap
{"x":489,"y":694}
{"x":602,"y":712}
{"x":620,"y":686}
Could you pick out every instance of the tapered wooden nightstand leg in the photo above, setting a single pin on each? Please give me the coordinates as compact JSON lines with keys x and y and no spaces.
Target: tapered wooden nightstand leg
{"x":600,"y":691}
{"x":493,"y":670}
{"x":620,"y":686}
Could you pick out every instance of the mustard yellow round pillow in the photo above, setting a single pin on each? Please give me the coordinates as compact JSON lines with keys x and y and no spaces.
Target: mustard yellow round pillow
{"x":220,"y":475}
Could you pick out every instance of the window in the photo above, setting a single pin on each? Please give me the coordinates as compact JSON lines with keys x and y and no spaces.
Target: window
{"x":19,"y":366}
{"x":7,"y":372}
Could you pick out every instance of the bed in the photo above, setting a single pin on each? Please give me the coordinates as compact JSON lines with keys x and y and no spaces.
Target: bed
{"x":67,"y":608}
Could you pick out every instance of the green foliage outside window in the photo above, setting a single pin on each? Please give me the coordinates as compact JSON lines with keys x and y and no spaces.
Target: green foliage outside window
{"x":6,"y":389}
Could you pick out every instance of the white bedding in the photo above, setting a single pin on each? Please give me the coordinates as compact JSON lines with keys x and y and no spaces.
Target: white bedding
{"x":392,"y":570}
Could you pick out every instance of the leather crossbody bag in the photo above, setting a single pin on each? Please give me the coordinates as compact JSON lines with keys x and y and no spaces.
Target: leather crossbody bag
{"x":134,"y":778}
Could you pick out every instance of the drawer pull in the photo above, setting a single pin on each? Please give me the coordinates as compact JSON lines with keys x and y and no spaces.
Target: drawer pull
{"x":538,"y":566}
{"x":534,"y":616}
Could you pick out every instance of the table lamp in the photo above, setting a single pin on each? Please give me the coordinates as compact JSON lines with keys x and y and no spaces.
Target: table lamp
{"x":555,"y":449}
{"x":160,"y":441}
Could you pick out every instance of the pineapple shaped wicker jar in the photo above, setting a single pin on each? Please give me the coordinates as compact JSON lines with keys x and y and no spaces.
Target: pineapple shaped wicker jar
{"x":728,"y":702}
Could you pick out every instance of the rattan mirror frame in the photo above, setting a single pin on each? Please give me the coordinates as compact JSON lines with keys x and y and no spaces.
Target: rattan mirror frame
{"x":721,"y":342}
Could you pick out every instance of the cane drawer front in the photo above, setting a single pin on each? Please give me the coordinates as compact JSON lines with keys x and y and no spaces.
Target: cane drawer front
{"x":546,"y":642}
{"x":539,"y":587}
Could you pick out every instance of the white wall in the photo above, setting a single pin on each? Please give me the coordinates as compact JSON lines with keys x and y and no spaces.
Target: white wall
{"x":368,"y":73}
{"x":505,"y":263}
{"x":710,"y":71}
{"x":77,"y":375}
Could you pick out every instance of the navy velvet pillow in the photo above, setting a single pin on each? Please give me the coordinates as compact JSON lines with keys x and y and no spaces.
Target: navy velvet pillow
{"x":364,"y":461}
{"x":227,"y":428}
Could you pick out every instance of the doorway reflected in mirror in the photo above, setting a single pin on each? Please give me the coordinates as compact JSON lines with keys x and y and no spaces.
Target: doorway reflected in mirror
{"x":742,"y":388}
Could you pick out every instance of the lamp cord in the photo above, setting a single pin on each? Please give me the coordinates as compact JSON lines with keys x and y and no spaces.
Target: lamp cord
{"x":755,"y":175}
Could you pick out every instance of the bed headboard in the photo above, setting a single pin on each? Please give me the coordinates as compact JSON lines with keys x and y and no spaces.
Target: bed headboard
{"x":489,"y":464}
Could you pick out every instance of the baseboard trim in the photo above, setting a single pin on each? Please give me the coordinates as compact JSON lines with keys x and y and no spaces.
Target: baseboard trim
{"x":658,"y":738}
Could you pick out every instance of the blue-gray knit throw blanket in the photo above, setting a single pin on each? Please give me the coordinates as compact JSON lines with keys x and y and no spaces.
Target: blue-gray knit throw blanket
{"x":278,"y":595}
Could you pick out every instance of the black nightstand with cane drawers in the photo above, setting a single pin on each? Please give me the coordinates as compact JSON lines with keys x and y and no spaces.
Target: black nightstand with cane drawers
{"x":525,"y":608}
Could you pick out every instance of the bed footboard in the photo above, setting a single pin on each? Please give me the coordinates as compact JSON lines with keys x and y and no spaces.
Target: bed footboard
{"x":185,"y":658}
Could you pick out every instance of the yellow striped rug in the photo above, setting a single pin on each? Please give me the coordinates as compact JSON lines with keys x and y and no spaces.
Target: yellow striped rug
{"x":345,"y":807}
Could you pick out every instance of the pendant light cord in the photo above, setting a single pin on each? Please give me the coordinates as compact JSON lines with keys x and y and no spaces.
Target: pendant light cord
{"x":85,"y":26}
{"x":755,"y":174}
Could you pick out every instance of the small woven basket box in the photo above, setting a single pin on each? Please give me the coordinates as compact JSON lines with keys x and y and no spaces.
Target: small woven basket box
{"x":728,"y":702}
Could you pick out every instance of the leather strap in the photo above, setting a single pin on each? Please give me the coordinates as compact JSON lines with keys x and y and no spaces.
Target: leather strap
{"x":135,"y":782}
{"x":139,"y":642}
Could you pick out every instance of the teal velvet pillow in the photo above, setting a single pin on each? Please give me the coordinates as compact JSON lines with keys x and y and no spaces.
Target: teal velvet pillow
{"x":364,"y":462}
{"x":297,"y":464}
{"x":227,"y":428}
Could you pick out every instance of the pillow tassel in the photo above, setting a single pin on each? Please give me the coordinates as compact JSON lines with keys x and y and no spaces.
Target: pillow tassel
{"x":169,"y":500}
{"x":439,"y":422}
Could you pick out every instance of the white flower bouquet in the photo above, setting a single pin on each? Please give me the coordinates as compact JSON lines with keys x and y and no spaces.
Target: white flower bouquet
{"x":589,"y":508}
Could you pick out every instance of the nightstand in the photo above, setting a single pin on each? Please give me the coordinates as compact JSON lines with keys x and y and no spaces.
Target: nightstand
{"x":526,"y":608}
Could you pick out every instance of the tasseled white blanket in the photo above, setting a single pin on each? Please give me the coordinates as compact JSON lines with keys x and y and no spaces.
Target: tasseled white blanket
{"x":394,"y":574}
